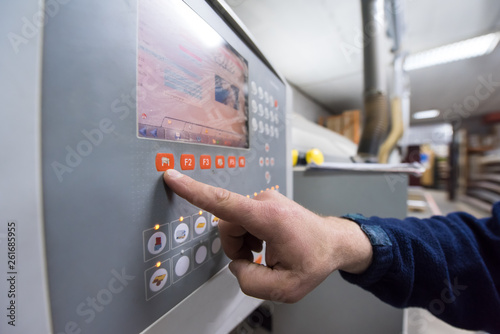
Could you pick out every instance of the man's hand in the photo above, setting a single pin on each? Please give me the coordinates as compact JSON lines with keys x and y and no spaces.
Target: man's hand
{"x":302,"y":248}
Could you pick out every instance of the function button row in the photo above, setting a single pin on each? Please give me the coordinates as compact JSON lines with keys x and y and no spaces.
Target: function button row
{"x":166,"y":161}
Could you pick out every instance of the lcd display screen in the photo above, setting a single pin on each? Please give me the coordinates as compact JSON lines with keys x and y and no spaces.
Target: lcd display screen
{"x":192,"y":86}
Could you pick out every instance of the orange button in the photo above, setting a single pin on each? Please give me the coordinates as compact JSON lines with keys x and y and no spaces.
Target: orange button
{"x":164,"y":161}
{"x":241,"y":162}
{"x":231,"y":162}
{"x":219,"y":161}
{"x":205,"y":162}
{"x":187,"y":162}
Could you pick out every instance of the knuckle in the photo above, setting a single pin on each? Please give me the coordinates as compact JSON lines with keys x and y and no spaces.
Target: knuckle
{"x":222,"y":195}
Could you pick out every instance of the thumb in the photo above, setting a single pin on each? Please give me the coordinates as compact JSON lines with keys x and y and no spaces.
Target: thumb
{"x":258,"y":280}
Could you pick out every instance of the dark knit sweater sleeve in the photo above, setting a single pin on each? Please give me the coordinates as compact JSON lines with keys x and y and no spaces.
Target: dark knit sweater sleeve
{"x":449,"y":265}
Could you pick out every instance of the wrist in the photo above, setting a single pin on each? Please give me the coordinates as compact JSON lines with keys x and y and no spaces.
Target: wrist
{"x":352,"y":250}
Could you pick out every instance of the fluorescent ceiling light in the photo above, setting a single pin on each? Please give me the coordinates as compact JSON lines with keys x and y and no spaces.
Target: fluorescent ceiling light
{"x":426,"y":114}
{"x":470,"y":48}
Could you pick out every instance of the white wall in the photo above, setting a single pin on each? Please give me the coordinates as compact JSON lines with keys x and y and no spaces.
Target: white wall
{"x":306,"y":107}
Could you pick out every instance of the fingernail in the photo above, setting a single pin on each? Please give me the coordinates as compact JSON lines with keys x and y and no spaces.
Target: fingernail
{"x":173,"y":174}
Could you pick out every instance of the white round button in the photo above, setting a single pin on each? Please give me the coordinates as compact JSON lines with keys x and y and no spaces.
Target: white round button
{"x":261,"y":127}
{"x":271,"y":116}
{"x":276,"y":118}
{"x":271,"y":131}
{"x":276,"y":132}
{"x":158,"y":280}
{"x":266,"y":113}
{"x":261,"y":110}
{"x":266,"y":128}
{"x":201,"y":254}
{"x":216,"y":245}
{"x":182,"y":266}
{"x":261,"y":161}
{"x":271,"y":101}
{"x":266,"y":97}
{"x":255,"y":124}
{"x":254,"y":88}
{"x":272,"y":161}
{"x":200,"y":225}
{"x":214,"y":221}
{"x":254,"y":106}
{"x":268,"y":177}
{"x":267,"y":161}
{"x":157,"y":243}
{"x":261,"y":93}
{"x":181,"y":233}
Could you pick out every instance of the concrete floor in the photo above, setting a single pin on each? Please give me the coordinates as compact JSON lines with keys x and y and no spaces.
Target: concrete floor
{"x":420,"y":321}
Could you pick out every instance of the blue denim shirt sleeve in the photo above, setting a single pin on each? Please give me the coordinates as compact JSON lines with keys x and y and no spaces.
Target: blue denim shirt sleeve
{"x":449,"y":265}
{"x":382,"y":252}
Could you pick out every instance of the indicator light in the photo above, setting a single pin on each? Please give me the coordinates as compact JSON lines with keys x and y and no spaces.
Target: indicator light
{"x":157,"y":226}
{"x":261,"y":191}
{"x":248,"y":196}
{"x":267,"y":189}
{"x":254,"y":194}
{"x":158,"y":264}
{"x":200,"y":212}
{"x":277,"y":187}
{"x":181,"y":218}
{"x":272,"y":188}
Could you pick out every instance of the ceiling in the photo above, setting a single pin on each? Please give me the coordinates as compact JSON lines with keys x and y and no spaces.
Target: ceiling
{"x":316,"y":45}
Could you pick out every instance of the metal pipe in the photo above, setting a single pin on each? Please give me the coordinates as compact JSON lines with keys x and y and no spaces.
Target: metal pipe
{"x":376,"y":114}
{"x":374,"y":33}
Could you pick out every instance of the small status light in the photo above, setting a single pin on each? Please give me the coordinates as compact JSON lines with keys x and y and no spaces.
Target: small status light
{"x":158,"y":264}
{"x":169,"y":122}
{"x":272,"y":188}
{"x":277,"y":187}
{"x":255,"y":194}
{"x":157,"y":226}
{"x":248,"y":196}
{"x":267,"y":189}
{"x":181,"y":218}
{"x":261,"y":191}
{"x":200,"y":212}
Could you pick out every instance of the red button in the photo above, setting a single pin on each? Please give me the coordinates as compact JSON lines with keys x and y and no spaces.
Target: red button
{"x":164,"y":161}
{"x":241,"y":162}
{"x":187,"y":162}
{"x":231,"y":162}
{"x":219,"y":161}
{"x":205,"y":162}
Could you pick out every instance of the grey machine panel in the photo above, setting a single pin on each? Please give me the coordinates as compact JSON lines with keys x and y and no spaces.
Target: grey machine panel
{"x":124,"y":81}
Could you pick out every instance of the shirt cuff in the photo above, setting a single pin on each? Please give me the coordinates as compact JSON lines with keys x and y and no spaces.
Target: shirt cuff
{"x":382,"y":252}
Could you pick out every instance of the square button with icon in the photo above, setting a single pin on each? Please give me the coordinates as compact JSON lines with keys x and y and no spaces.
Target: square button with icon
{"x":219,"y":161}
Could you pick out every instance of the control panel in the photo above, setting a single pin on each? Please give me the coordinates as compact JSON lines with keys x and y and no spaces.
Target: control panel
{"x":129,"y":90}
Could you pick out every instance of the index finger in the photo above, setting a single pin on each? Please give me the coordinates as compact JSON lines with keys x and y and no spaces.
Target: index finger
{"x":222,"y":203}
